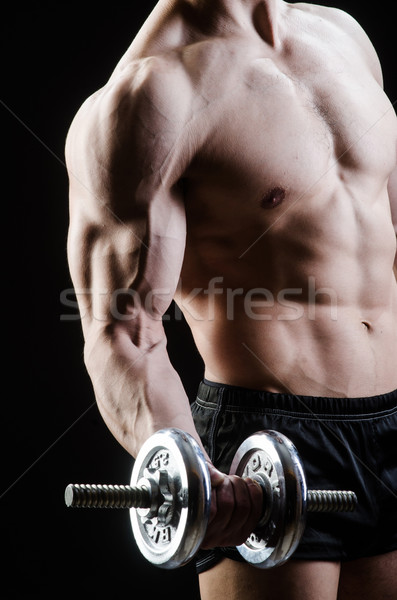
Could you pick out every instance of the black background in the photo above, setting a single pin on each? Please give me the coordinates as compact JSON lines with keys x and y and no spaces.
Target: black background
{"x":53,"y":56}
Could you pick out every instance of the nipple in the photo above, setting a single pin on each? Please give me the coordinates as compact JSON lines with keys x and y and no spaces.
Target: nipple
{"x":273,"y":198}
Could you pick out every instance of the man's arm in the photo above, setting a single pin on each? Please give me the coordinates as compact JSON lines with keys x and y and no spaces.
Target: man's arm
{"x":126,"y":152}
{"x":125,"y":250}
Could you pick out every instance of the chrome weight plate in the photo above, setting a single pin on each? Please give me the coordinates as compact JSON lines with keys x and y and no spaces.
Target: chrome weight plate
{"x":272,"y":459}
{"x":170,"y":532}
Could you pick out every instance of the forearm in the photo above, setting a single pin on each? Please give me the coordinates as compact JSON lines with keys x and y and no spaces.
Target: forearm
{"x":137,"y":390}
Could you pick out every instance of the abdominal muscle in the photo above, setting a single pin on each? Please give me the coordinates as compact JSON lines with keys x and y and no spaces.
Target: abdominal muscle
{"x":345,"y":357}
{"x":332,"y":333}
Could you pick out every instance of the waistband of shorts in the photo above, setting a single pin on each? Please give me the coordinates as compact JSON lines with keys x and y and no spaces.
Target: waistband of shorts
{"x":232,"y":397}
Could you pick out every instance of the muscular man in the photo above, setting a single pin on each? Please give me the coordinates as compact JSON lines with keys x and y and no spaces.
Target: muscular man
{"x":241,"y":161}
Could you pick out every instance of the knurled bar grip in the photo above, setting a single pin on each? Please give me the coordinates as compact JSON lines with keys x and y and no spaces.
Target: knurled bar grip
{"x":125,"y":496}
{"x":330,"y":501}
{"x":106,"y":496}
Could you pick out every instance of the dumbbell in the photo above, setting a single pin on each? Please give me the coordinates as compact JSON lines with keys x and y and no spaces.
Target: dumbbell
{"x":169,"y":498}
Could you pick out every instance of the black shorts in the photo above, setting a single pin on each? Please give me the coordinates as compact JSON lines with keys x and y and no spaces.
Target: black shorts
{"x":344,"y":443}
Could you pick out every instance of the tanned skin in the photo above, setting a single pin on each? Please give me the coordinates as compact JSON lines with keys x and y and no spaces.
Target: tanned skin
{"x":240,"y":160}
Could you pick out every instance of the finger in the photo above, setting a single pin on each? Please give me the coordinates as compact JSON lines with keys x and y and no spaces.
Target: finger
{"x":222,"y":508}
{"x":245,"y":514}
{"x":237,"y":508}
{"x":224,"y":503}
{"x":255,"y":492}
{"x":217,"y":478}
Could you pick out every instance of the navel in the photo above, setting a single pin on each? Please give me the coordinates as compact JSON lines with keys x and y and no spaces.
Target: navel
{"x":273,"y":198}
{"x":367,"y":325}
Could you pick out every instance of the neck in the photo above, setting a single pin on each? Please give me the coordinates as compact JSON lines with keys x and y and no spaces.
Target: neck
{"x":263,"y":14}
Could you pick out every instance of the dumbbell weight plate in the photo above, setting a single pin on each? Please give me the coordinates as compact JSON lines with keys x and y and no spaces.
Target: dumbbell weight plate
{"x":272,"y":456}
{"x":173,"y":459}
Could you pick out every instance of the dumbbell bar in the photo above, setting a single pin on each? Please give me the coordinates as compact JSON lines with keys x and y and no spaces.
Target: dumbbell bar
{"x":170,"y":495}
{"x":79,"y":495}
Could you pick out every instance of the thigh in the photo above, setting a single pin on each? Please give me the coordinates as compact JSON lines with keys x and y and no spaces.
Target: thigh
{"x":295,"y":580}
{"x":373,"y":578}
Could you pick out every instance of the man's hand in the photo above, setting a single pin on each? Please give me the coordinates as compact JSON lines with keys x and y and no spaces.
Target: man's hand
{"x":236,"y":508}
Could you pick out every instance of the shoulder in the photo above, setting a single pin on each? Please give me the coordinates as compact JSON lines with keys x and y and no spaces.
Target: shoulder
{"x":335,"y":15}
{"x":145,"y":88}
{"x":353,"y":33}
{"x":137,"y":116}
{"x":159,"y":81}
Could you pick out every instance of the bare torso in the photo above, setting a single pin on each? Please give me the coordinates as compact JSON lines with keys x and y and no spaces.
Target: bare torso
{"x":287,"y":209}
{"x":247,"y":150}
{"x":250,"y":158}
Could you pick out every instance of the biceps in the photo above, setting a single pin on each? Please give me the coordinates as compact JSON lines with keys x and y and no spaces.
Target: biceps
{"x":127,"y":234}
{"x":146,"y":286}
{"x":127,"y":273}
